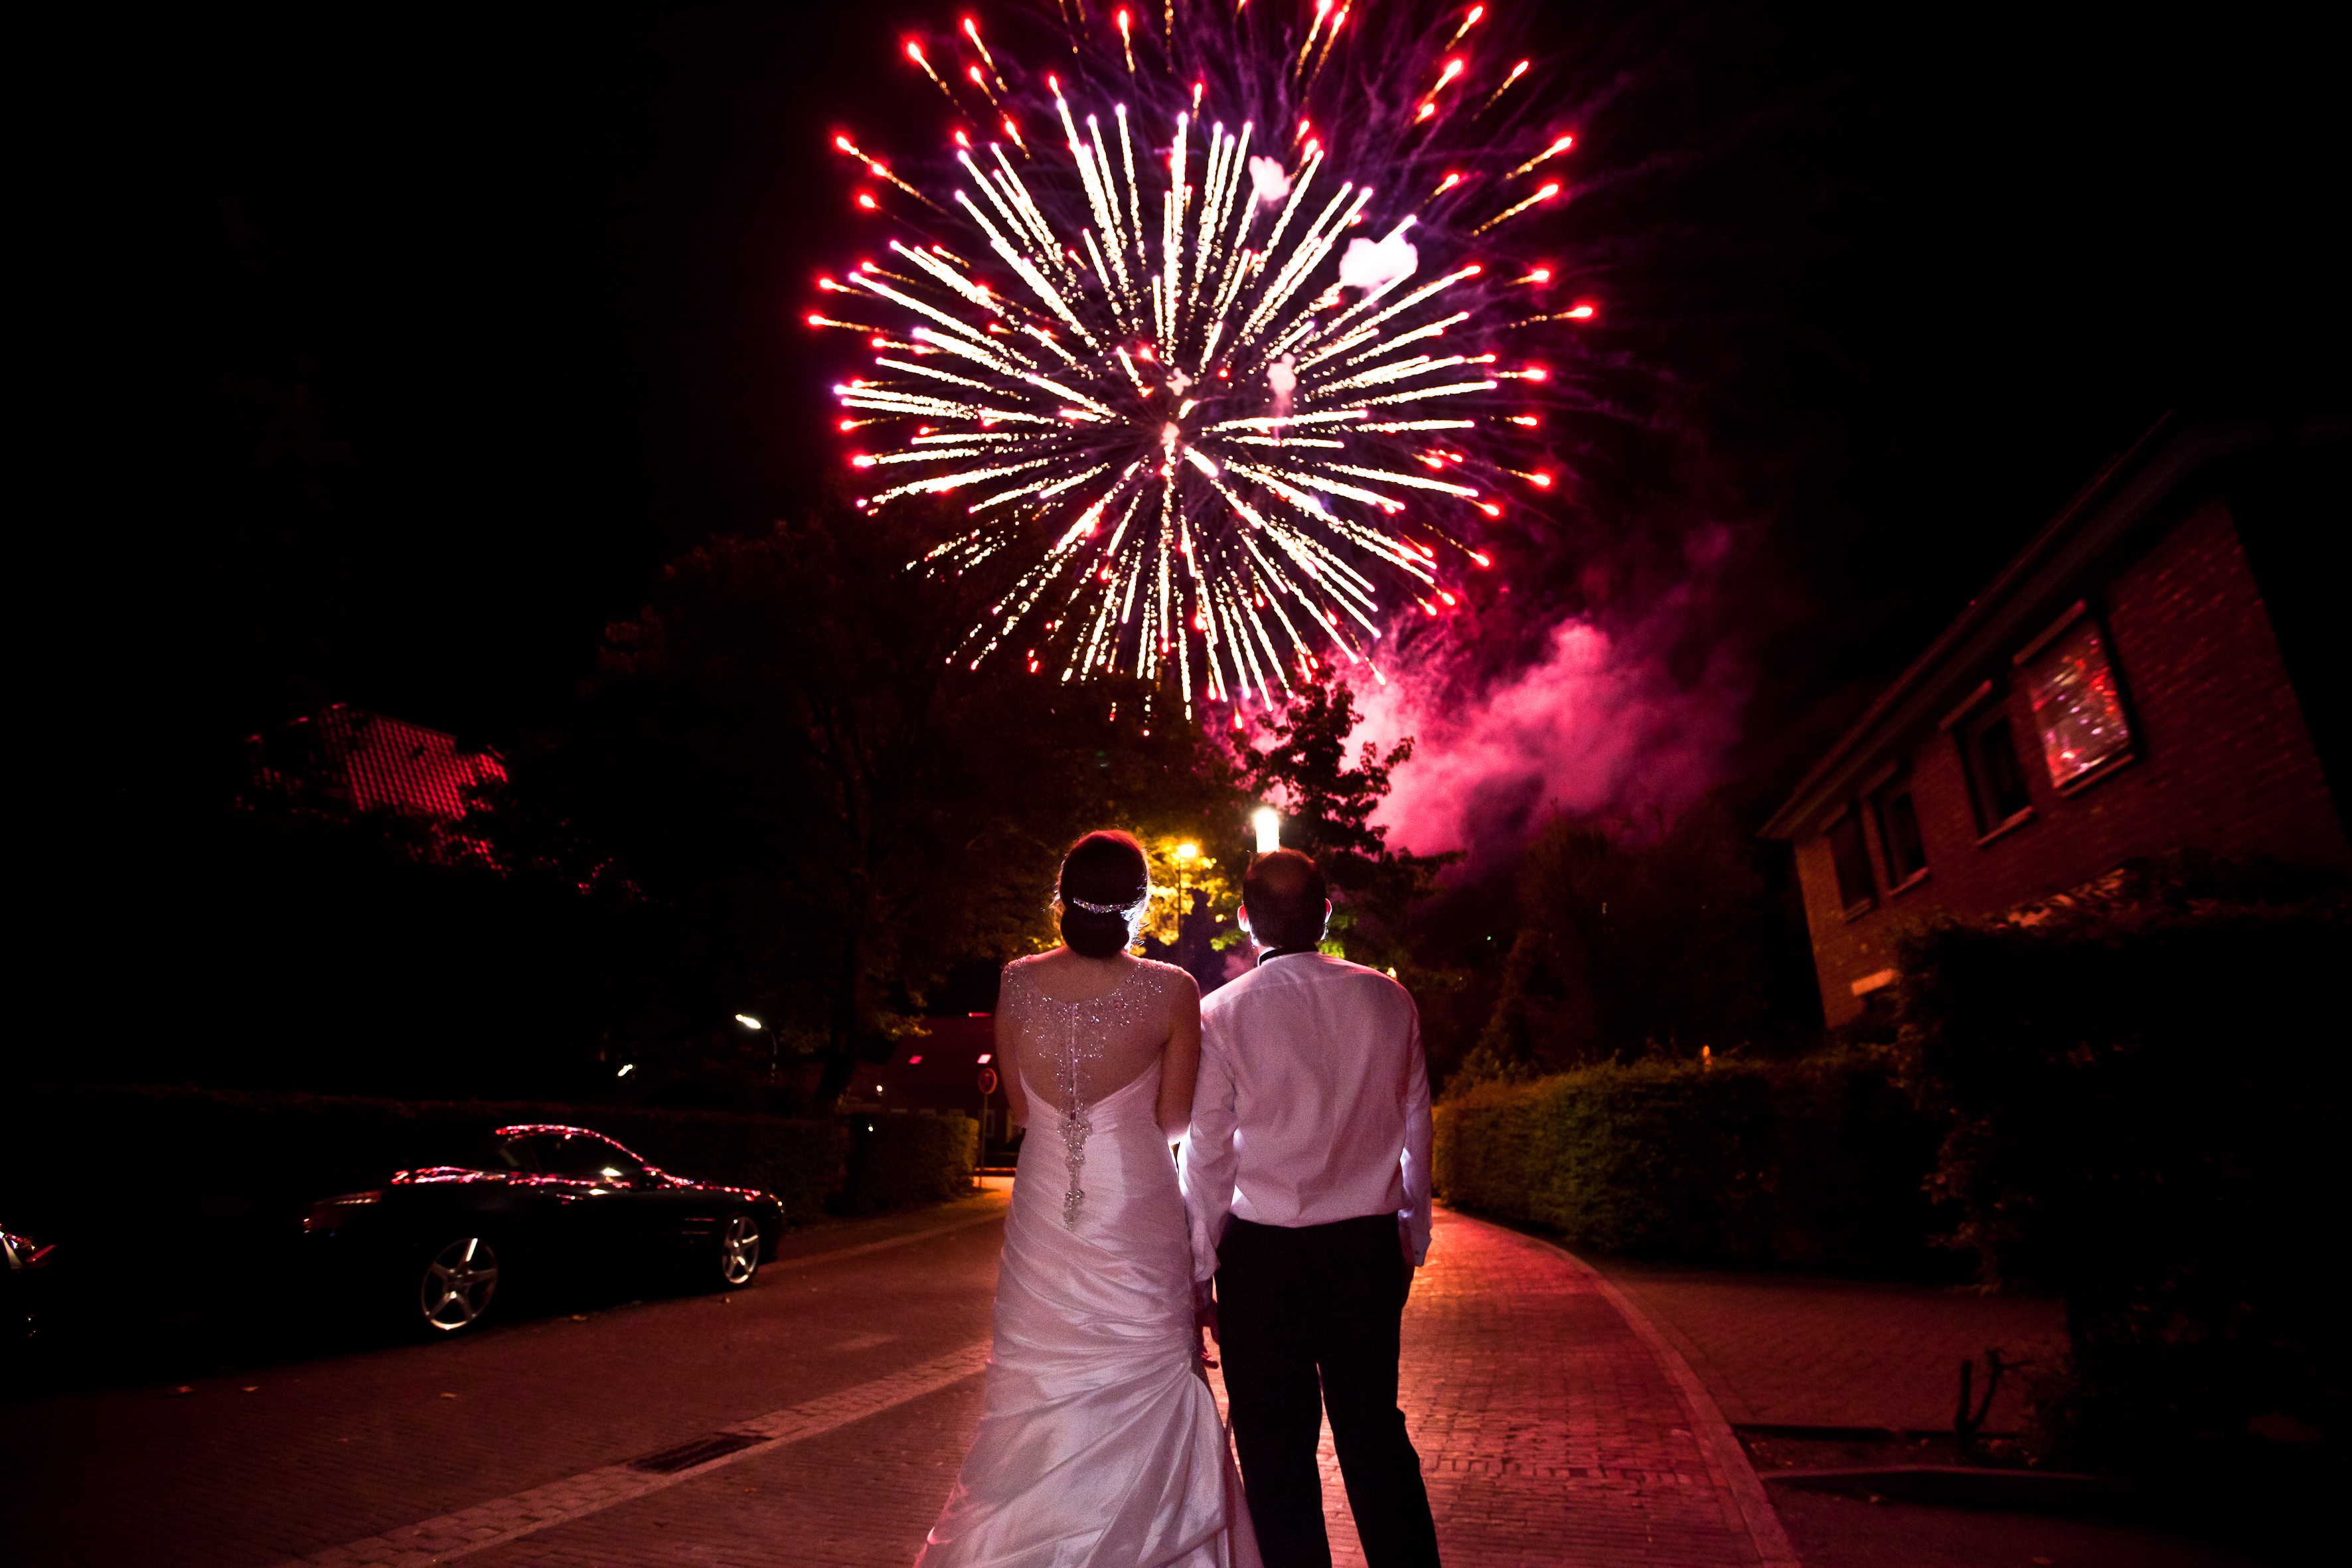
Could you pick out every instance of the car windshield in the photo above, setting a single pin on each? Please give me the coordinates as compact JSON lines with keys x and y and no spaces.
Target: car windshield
{"x":583,"y":1156}
{"x":496,"y":1155}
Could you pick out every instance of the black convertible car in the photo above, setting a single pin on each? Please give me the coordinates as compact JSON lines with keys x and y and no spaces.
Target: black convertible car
{"x":542,"y":1206}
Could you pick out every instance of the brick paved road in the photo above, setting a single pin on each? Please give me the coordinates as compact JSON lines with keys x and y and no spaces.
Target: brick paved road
{"x":1791,"y":1350}
{"x":1552,"y":1428}
{"x":342,"y":1448}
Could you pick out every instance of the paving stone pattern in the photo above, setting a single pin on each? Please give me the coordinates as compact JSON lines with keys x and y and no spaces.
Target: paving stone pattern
{"x":340,"y":1450}
{"x":1552,"y":1429}
{"x":1787,"y":1350}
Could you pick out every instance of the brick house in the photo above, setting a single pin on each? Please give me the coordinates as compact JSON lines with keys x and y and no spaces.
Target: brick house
{"x":2125,"y":687}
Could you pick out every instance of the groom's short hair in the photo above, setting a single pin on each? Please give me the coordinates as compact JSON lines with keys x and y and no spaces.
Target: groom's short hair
{"x":1284,"y":892}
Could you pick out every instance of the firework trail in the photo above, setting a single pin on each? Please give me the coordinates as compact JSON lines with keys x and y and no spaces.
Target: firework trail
{"x":1213,"y":319}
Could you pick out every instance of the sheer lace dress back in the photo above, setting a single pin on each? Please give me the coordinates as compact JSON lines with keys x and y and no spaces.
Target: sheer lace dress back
{"x":1077,"y":1054}
{"x":1072,"y":1057}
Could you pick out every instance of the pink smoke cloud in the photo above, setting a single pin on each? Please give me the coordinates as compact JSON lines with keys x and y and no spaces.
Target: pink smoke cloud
{"x":1594,"y":723}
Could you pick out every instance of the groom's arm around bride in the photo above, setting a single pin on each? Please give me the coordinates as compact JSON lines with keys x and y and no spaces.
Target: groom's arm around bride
{"x":1307,"y":1185}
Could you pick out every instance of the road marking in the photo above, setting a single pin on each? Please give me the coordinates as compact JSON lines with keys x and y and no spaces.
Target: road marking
{"x":493,"y":1524}
{"x":863,"y":1342}
{"x":807,"y":1259}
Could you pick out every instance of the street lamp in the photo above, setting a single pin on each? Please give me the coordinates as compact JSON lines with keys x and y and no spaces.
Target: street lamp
{"x":1269,"y":829}
{"x":754,"y":1024}
{"x":1184,"y":854}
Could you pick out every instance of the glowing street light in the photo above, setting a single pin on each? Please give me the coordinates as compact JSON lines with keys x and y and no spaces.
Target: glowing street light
{"x":754,"y":1024}
{"x":1269,"y":829}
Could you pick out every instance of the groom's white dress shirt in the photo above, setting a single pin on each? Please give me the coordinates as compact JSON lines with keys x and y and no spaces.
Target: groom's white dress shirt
{"x":1312,"y":1106}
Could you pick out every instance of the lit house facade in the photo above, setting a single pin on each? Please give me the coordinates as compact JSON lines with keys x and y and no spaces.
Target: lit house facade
{"x":2119,"y":690}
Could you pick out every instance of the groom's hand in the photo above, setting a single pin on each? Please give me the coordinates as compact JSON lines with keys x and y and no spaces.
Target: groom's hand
{"x":1204,"y":1316}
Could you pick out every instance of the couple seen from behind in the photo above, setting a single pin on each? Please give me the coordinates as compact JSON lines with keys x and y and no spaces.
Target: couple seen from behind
{"x":1290,"y":1233}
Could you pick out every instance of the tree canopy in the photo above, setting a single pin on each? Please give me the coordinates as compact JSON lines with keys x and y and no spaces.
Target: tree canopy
{"x":783,"y":752}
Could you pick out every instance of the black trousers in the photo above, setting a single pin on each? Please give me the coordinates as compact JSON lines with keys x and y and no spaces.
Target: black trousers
{"x":1307,"y":1323}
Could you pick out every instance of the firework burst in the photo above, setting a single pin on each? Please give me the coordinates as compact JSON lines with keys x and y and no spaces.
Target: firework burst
{"x":1213,"y":320}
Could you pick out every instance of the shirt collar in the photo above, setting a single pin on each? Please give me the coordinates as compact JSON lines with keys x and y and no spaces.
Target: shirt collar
{"x":1270,"y":954}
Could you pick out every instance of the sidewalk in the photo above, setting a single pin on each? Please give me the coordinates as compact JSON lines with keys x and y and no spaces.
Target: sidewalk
{"x":1554,"y":1427}
{"x":1783,"y":1350}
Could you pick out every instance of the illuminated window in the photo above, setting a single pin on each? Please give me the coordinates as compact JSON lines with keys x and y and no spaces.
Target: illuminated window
{"x":1899,"y":832}
{"x":1853,"y":862}
{"x":2076,"y":709}
{"x":1996,"y":783}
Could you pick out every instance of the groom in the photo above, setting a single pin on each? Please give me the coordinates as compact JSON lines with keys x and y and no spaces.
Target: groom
{"x":1307,"y":1179}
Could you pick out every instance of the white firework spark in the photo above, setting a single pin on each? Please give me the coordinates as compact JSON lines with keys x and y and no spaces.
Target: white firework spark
{"x":1211,"y":383}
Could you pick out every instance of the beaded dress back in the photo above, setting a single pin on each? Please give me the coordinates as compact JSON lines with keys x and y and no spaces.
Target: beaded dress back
{"x":1099,"y":1444}
{"x":1081,"y":1053}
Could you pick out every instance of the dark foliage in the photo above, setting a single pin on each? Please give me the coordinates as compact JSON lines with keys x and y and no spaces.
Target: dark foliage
{"x":908,"y":1158}
{"x":186,"y":1159}
{"x":267,"y":949}
{"x":1816,"y":1164}
{"x":2146,"y":1110}
{"x":1643,"y":936}
{"x":825,"y":815}
{"x":1329,"y":815}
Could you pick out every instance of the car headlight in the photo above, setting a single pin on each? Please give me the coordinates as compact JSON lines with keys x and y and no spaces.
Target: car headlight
{"x":328,"y":1214}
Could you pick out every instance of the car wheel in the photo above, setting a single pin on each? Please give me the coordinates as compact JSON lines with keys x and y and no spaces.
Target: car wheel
{"x":459,"y":1284}
{"x":738,"y":1251}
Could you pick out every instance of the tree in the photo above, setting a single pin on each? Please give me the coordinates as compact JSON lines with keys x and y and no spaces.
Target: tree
{"x":783,"y":752}
{"x":1330,"y":809}
{"x":1638,"y":934}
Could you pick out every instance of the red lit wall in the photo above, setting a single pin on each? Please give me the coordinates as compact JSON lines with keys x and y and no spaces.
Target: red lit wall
{"x":2222,"y":763}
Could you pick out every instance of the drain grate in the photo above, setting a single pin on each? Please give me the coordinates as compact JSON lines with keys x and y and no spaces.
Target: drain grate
{"x":702,"y":1450}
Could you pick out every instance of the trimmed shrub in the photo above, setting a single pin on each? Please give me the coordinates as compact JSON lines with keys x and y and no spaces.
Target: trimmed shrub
{"x":180,"y":1156}
{"x":2147,"y":1117}
{"x":1816,"y":1163}
{"x":899,"y":1159}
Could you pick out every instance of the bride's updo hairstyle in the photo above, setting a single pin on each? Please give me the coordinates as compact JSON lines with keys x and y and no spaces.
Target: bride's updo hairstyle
{"x":1103,"y":884}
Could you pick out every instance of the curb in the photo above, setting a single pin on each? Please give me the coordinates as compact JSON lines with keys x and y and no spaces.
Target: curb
{"x":1727,"y":1461}
{"x":1963,"y":1486}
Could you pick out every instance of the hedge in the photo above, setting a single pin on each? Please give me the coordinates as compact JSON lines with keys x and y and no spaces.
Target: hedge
{"x":2148,"y":1117}
{"x":1819,"y":1164}
{"x":904,"y":1158}
{"x":177,"y":1157}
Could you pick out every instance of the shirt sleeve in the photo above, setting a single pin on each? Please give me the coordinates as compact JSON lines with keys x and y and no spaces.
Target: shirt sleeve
{"x":1210,"y":1161}
{"x":1414,"y":1216}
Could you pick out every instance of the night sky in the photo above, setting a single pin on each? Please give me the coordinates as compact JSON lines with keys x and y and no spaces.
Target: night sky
{"x":383,"y":357}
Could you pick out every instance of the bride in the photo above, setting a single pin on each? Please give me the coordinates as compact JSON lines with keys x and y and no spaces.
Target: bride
{"x":1099,"y":1445}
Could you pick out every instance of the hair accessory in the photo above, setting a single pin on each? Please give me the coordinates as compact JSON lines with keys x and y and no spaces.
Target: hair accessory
{"x":1104,"y":908}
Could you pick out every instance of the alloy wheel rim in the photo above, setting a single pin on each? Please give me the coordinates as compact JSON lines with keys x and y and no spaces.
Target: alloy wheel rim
{"x":739,"y":1250}
{"x":459,"y":1284}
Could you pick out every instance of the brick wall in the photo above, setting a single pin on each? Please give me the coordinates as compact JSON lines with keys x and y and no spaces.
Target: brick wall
{"x":2222,"y":763}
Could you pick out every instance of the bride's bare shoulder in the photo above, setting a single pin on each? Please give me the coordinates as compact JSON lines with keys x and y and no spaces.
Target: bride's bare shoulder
{"x":1170,"y":976}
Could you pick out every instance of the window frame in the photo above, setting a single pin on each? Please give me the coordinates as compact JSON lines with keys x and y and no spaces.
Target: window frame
{"x":1898,"y":788}
{"x":1968,"y":723}
{"x":1858,"y":905}
{"x":2079,"y":615}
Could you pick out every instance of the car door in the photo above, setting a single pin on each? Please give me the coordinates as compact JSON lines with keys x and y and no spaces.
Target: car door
{"x":591,"y":1177}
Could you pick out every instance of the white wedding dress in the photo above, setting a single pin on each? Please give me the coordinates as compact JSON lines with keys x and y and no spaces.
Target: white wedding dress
{"x":1099,"y":1445}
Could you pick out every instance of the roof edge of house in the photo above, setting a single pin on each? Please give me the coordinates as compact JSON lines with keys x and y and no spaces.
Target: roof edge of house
{"x":2118,"y":498}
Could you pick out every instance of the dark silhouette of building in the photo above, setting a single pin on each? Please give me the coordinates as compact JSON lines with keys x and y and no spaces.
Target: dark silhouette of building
{"x":2156,"y":673}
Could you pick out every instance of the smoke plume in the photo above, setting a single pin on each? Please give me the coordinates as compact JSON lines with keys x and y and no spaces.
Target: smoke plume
{"x":1595,"y":721}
